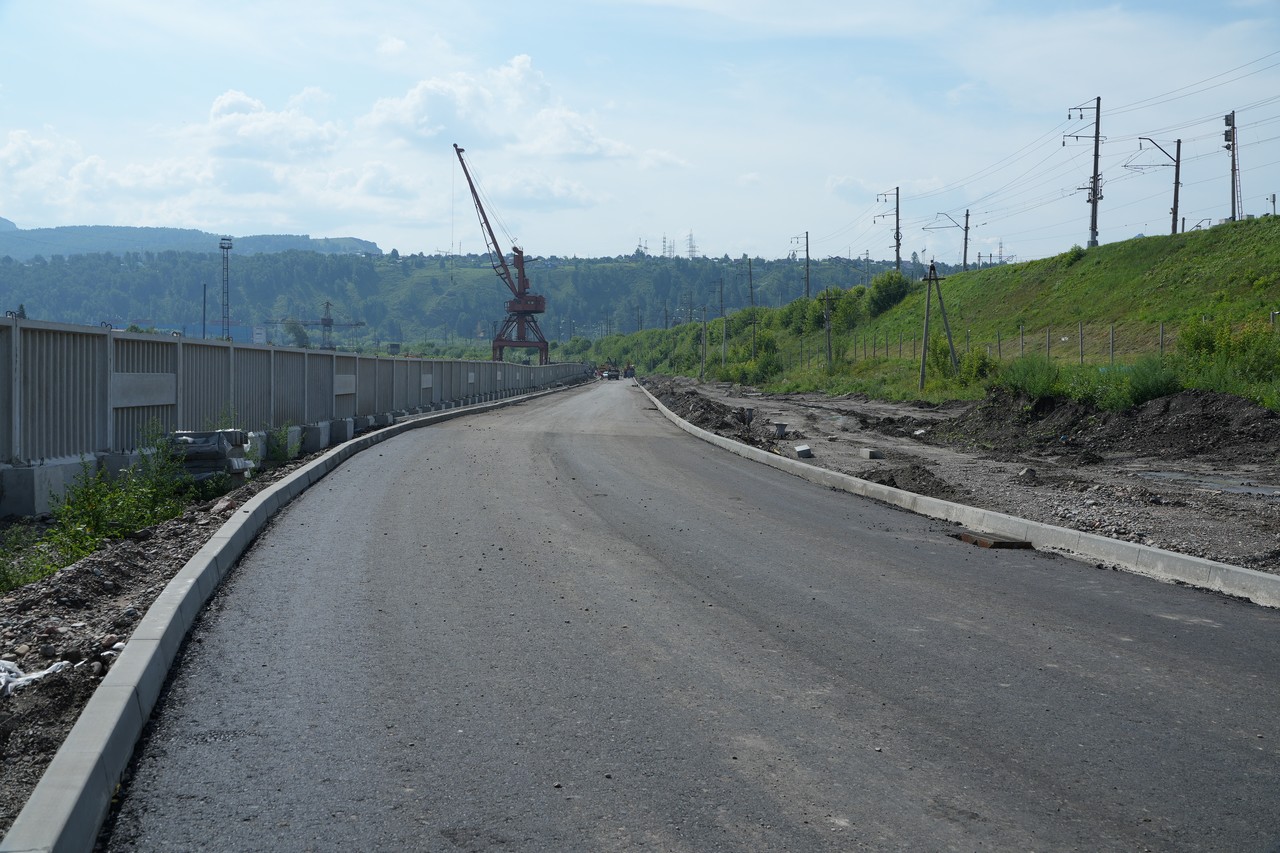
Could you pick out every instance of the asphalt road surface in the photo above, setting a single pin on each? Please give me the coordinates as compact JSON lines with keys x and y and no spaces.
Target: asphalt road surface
{"x":566,"y":626}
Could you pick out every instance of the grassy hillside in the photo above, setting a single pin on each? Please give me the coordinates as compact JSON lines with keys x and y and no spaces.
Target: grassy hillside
{"x":1199,"y":300}
{"x":1230,"y":272}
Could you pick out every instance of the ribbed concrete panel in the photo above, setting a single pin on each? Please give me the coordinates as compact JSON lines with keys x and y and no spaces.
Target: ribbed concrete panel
{"x":253,"y":388}
{"x":63,"y":395}
{"x":136,"y":427}
{"x":383,"y":367}
{"x":8,"y":405}
{"x":367,"y":393}
{"x":319,"y":387}
{"x":144,"y":353}
{"x":399,"y":385}
{"x":290,"y":370}
{"x":142,"y":393}
{"x":206,"y":386}
{"x":345,"y":386}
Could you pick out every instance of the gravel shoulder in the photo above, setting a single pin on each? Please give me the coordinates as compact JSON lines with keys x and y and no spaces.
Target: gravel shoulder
{"x":1195,"y":473}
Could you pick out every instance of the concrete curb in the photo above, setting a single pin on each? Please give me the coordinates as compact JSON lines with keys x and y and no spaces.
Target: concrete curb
{"x":66,"y":810}
{"x":1259,"y":587}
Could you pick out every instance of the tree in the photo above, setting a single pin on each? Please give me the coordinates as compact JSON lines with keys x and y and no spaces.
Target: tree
{"x":298,"y":334}
{"x":887,"y":290}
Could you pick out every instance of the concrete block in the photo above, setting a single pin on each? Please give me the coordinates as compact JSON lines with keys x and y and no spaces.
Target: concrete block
{"x":868,"y":453}
{"x":315,"y":437}
{"x":343,"y":429}
{"x":284,"y":444}
{"x":255,"y":448}
{"x":804,"y":451}
{"x":117,"y":463}
{"x":26,"y":490}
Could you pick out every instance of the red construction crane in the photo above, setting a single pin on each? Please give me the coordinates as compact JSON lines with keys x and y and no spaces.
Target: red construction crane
{"x":520,"y":329}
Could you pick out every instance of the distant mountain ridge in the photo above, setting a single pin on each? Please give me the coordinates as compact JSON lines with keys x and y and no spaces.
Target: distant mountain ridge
{"x":25,"y":244}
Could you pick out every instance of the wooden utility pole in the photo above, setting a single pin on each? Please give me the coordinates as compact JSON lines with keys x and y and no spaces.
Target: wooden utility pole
{"x":931,"y":282}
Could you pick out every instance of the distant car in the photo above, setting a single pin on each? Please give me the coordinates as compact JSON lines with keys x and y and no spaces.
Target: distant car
{"x":608,"y":374}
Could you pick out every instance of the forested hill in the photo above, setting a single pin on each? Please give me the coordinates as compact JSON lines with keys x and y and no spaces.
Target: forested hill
{"x":26,"y":245}
{"x":406,"y":299}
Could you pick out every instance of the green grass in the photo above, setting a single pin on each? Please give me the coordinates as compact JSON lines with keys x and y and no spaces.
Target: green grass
{"x":1114,"y":325}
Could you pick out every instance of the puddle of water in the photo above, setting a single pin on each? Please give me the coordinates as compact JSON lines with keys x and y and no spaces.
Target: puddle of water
{"x":1206,"y":482}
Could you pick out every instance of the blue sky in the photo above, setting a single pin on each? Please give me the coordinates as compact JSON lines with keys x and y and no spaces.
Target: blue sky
{"x":594,"y":127}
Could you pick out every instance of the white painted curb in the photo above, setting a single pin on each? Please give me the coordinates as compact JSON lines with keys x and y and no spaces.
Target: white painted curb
{"x":65,"y":811}
{"x":1259,"y":587}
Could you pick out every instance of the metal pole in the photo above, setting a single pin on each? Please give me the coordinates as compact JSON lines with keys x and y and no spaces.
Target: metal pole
{"x":1096,"y":195}
{"x":1177,"y":171}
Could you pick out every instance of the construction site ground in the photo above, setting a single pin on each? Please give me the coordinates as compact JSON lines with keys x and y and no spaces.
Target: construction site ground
{"x":1196,"y":472}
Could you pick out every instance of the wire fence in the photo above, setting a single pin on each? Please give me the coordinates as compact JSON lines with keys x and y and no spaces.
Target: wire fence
{"x":1082,"y":343}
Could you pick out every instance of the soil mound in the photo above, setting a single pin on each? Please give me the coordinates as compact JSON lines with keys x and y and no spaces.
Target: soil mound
{"x":915,"y":478}
{"x":711,"y":415}
{"x":1190,"y":423}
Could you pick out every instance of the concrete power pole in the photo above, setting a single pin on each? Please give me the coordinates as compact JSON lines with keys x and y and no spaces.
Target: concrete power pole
{"x":897,"y":224}
{"x":1095,"y":182}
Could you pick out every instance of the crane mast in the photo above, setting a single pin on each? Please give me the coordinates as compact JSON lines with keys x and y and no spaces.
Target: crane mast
{"x":520,"y":330}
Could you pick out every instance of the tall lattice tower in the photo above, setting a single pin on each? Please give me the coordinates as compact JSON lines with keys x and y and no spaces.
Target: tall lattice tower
{"x":225,"y":245}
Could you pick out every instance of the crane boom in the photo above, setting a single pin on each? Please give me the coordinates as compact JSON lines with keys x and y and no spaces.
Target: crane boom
{"x":499,"y":259}
{"x":520,"y":329}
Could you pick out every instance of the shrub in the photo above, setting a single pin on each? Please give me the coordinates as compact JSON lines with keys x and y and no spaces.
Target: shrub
{"x":887,"y":290}
{"x":279,"y":448}
{"x":977,"y":366}
{"x":97,"y":507}
{"x":1152,"y":377}
{"x":1031,"y":376}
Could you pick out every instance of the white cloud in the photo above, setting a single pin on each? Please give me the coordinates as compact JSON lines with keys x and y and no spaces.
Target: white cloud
{"x":242,"y":126}
{"x":391,"y":46}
